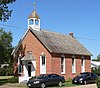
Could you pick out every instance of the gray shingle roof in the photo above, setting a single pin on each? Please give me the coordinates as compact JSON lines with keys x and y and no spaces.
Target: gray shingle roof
{"x":58,"y":43}
{"x":28,"y":56}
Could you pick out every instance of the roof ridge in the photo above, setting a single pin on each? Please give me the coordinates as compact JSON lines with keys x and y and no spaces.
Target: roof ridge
{"x":55,"y":33}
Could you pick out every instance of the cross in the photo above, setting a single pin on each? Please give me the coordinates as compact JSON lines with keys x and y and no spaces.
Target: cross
{"x":34,"y":6}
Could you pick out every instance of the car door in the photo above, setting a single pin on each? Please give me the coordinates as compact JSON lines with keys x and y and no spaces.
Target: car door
{"x":93,"y":77}
{"x":49,"y":80}
{"x":52,"y":80}
{"x":88,"y":77}
{"x":55,"y":79}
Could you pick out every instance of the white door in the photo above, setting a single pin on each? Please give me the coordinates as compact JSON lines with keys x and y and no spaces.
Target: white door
{"x":42,"y":64}
{"x":28,"y":70}
{"x":33,"y":68}
{"x":24,"y":78}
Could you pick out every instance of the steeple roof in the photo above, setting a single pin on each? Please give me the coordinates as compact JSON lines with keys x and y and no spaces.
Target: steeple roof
{"x":34,"y":15}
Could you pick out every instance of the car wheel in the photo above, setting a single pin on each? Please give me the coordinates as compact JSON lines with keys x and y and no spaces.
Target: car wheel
{"x":60,"y":83}
{"x":85,"y":82}
{"x":43,"y":85}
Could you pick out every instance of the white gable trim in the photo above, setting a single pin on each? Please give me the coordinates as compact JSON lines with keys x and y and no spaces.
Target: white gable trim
{"x":20,"y":42}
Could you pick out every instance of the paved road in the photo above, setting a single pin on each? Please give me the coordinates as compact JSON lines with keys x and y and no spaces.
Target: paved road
{"x":85,"y":86}
{"x":16,"y":86}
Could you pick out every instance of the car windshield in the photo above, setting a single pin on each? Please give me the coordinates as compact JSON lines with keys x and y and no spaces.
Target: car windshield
{"x":41,"y":77}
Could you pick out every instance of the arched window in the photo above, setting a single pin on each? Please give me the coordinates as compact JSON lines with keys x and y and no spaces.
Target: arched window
{"x":43,"y":59}
{"x":43,"y":64}
{"x":62,"y":64}
{"x":83,"y":63}
{"x":31,"y":22}
{"x":36,"y":22}
{"x":73,"y":61}
{"x":73,"y":64}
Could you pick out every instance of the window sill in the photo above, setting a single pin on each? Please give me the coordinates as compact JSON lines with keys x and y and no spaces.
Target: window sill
{"x":73,"y":72}
{"x":82,"y":71}
{"x":63,"y":73}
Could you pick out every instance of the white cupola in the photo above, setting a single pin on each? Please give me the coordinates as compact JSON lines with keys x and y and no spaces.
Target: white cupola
{"x":34,"y":20}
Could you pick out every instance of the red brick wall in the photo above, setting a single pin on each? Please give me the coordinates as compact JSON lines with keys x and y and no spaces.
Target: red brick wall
{"x":31,"y":43}
{"x":68,"y":65}
{"x":88,"y":63}
{"x":56,"y":65}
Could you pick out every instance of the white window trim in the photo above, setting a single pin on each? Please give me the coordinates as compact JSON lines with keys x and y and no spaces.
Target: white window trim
{"x":74,"y":66}
{"x":63,"y":66}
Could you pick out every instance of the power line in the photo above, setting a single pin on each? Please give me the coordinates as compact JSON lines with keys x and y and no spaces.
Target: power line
{"x":26,"y":28}
{"x":88,"y":39}
{"x":12,"y":26}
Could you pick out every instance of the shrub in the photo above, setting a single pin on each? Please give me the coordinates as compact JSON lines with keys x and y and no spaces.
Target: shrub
{"x":69,"y":80}
{"x":98,"y":82}
{"x":33,"y":77}
{"x":96,"y":70}
{"x":6,"y":71}
{"x":9,"y":70}
{"x":2,"y":72}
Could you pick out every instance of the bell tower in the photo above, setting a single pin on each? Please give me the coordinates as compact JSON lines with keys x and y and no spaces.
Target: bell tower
{"x":34,"y":20}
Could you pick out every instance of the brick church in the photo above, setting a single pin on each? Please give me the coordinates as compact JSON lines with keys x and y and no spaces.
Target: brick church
{"x":43,"y":52}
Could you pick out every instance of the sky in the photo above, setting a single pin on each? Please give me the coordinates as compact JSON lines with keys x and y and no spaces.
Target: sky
{"x":82,"y":17}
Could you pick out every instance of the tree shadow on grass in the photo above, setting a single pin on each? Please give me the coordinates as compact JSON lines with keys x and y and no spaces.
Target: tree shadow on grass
{"x":3,"y":81}
{"x":9,"y":80}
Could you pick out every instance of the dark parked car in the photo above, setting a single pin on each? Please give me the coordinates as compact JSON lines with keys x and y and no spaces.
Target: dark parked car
{"x":84,"y":78}
{"x":46,"y":80}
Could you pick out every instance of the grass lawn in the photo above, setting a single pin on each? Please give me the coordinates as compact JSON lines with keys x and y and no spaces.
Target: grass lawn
{"x":8,"y":79}
{"x":10,"y":82}
{"x":5,"y":77}
{"x":66,"y":84}
{"x":13,"y":82}
{"x":69,"y":84}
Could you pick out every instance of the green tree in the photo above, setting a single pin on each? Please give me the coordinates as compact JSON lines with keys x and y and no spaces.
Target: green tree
{"x":98,"y":57}
{"x":5,"y":13}
{"x":5,"y":46}
{"x":94,"y":60}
